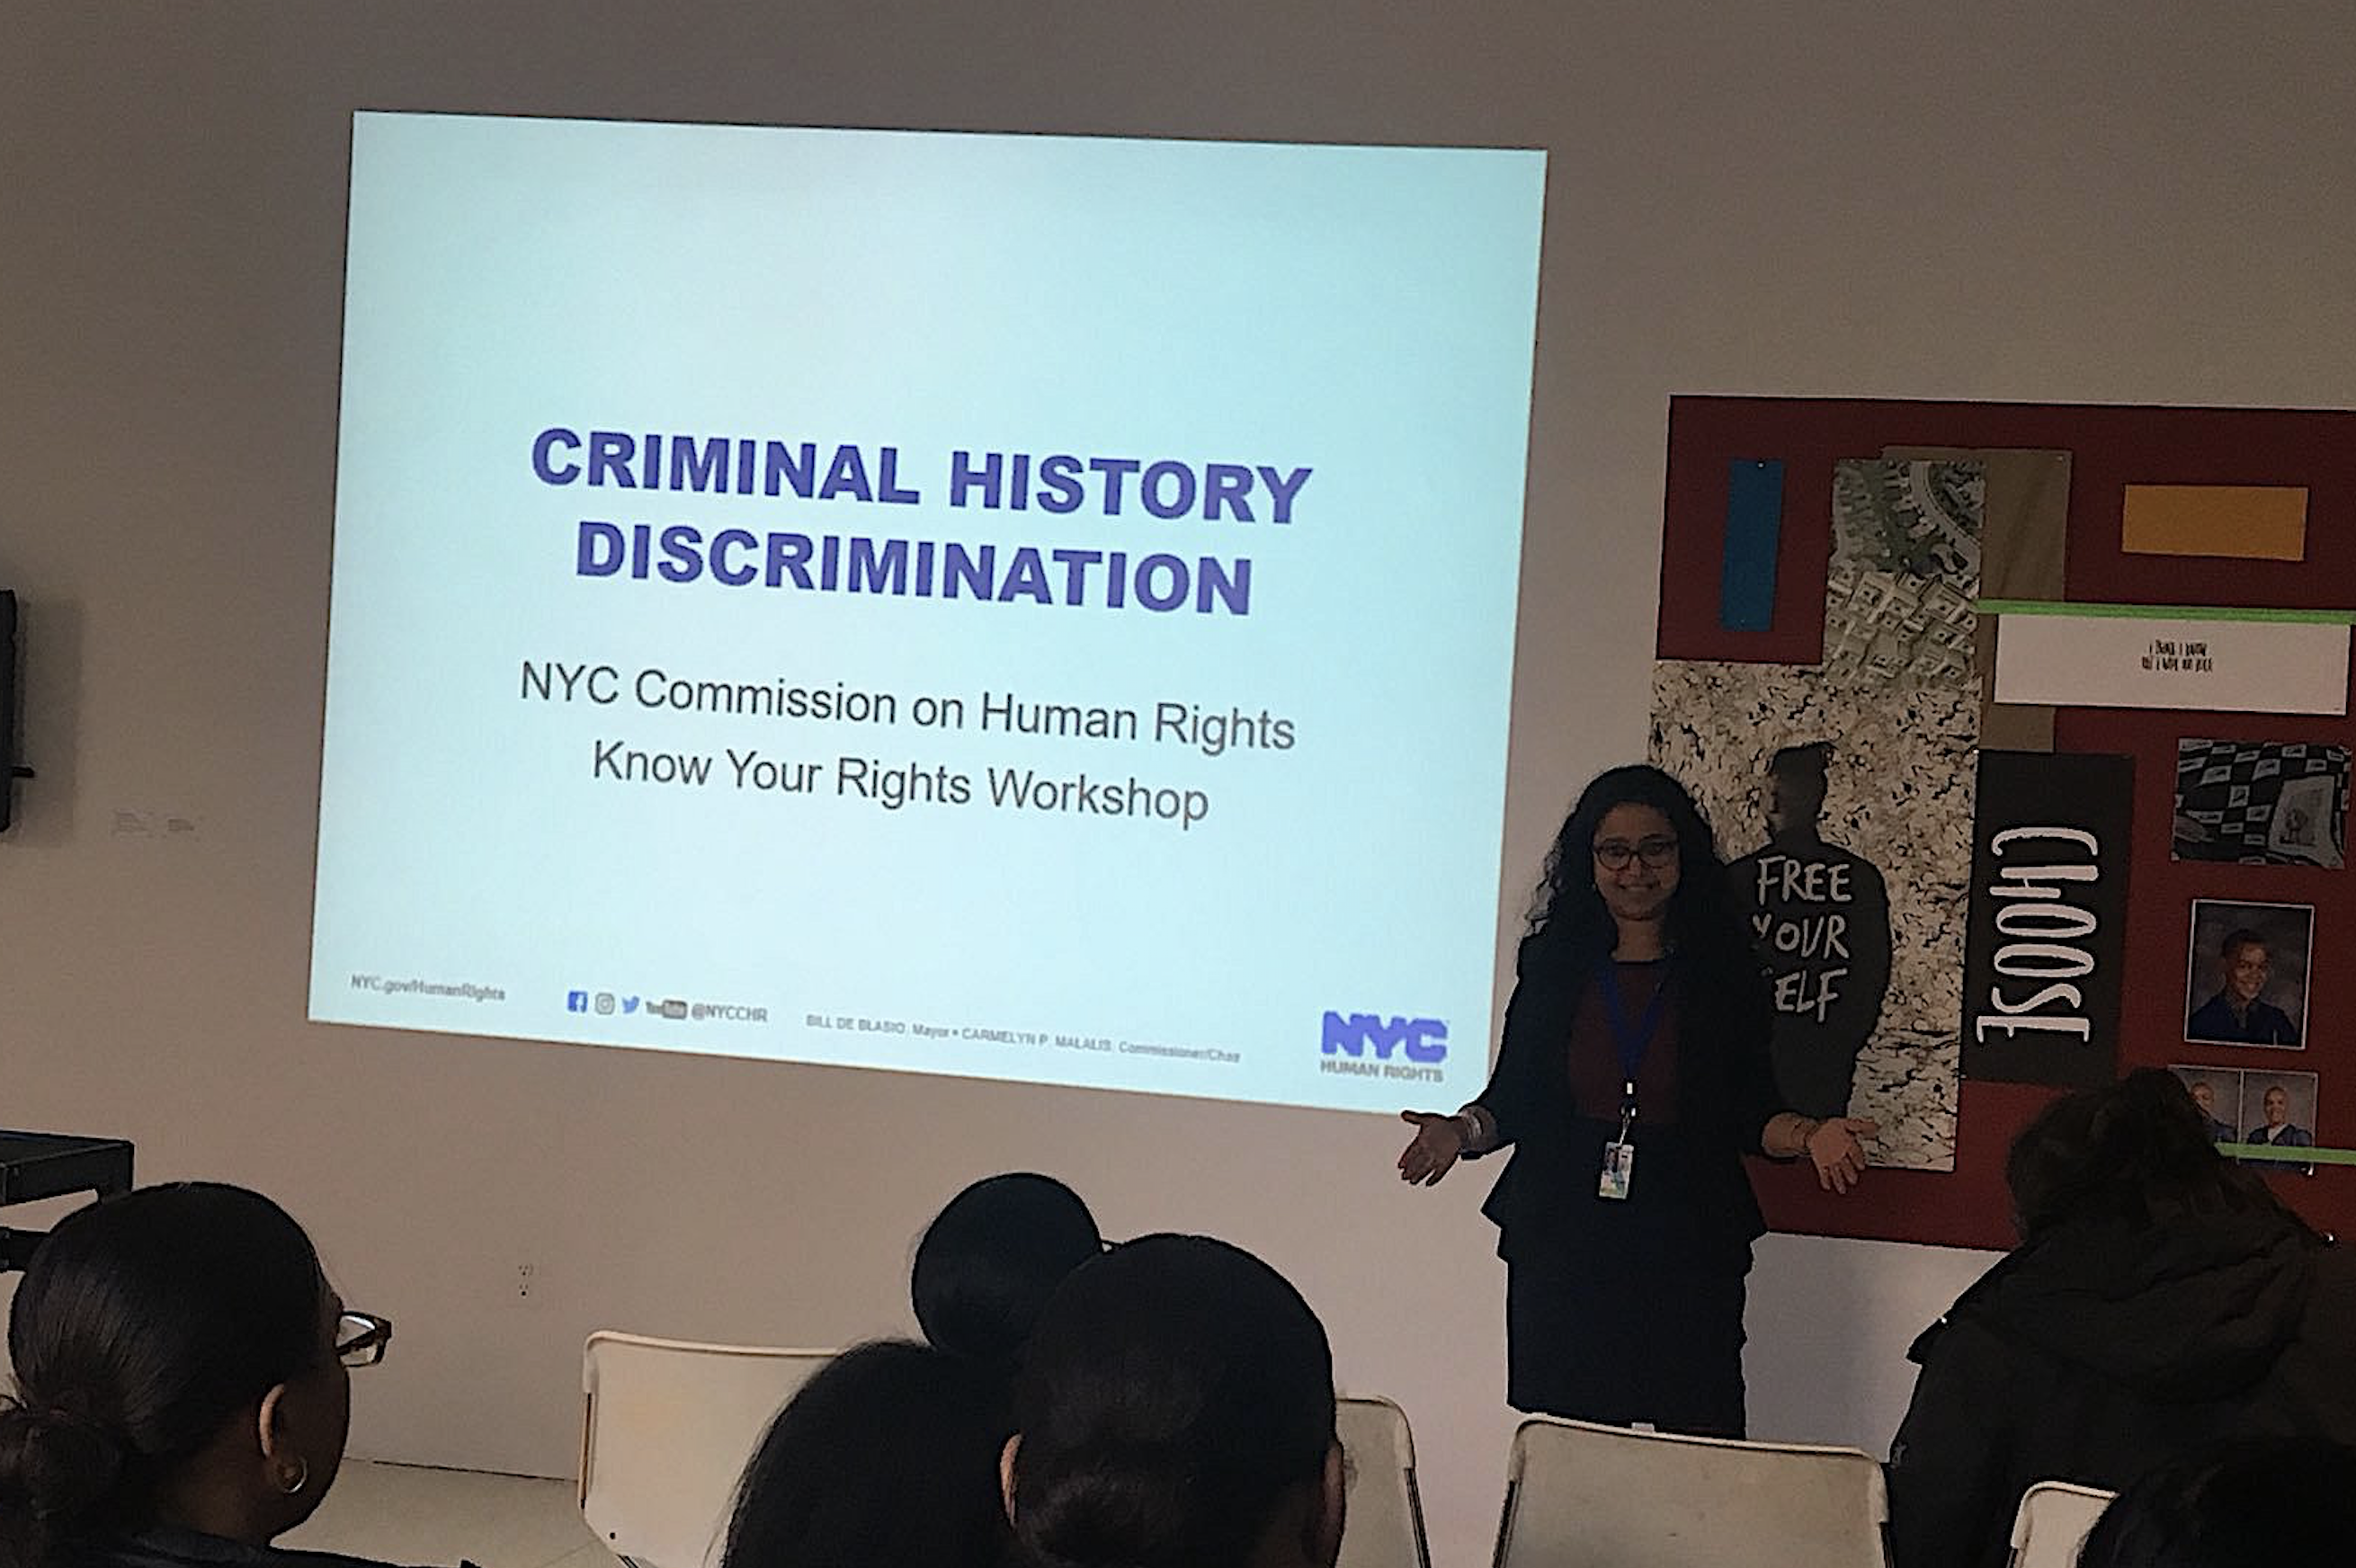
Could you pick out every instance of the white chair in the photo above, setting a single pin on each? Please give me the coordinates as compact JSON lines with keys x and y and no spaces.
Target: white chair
{"x":2051,"y":1523}
{"x":1581,"y":1494}
{"x":667,"y":1429}
{"x":1385,"y":1518}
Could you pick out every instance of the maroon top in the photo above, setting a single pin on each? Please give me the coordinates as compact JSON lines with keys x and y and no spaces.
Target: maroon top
{"x":1595,"y":1080}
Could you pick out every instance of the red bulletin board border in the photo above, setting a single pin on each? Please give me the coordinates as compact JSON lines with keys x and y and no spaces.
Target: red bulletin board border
{"x":2111,"y":446}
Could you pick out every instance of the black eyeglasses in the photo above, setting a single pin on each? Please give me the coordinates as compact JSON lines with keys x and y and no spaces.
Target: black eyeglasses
{"x":1613,"y":854}
{"x":360,"y":1338}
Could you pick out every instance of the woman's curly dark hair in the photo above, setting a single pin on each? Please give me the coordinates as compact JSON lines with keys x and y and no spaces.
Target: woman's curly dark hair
{"x":1568,"y":916}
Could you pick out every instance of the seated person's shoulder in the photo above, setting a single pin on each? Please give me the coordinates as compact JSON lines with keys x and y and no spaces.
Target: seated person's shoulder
{"x":169,"y":1547}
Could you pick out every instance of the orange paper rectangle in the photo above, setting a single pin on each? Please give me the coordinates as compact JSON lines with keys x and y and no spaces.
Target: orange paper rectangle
{"x":2257,"y":522}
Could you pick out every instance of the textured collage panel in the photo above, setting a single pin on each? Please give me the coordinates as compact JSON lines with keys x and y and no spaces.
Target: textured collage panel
{"x":1844,"y":792}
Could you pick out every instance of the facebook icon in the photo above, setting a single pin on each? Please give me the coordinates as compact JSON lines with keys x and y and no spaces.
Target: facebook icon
{"x":577,"y":1001}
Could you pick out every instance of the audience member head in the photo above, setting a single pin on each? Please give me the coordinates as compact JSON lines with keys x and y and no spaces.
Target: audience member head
{"x":1570,"y":907}
{"x":2137,"y":1150}
{"x":887,"y":1458}
{"x":1176,"y":1411}
{"x":2267,"y":1500}
{"x":989,"y":1260}
{"x":177,"y":1363}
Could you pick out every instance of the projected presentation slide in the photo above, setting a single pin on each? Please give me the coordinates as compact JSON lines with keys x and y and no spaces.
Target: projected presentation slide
{"x":1022,"y":607}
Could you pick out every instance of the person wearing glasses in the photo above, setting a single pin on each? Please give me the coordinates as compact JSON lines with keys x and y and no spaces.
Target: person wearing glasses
{"x":1632,"y":1076}
{"x":182,"y":1386}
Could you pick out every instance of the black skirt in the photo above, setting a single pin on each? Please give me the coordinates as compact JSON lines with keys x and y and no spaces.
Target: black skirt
{"x":1628,"y":1311}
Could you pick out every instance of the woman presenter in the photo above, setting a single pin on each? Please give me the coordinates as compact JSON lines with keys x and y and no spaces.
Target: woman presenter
{"x":1632,"y":1077}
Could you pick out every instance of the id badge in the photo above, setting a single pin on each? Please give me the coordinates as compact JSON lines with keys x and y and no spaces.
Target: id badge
{"x":1619,"y":1169}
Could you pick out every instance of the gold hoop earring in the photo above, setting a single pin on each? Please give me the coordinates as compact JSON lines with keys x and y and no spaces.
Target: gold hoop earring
{"x":302,"y":1478}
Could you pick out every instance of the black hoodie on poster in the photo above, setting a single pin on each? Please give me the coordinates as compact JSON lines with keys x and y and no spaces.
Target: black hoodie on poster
{"x":2104,"y":1348}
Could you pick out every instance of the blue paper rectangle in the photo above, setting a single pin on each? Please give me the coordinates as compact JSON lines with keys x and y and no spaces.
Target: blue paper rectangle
{"x":1754,"y":525}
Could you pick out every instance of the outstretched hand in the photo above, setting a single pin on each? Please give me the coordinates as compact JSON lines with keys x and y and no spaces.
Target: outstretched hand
{"x":1438,"y":1142}
{"x":1836,"y":1148}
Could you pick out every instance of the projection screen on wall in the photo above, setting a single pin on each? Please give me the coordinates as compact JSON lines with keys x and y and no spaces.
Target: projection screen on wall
{"x":1025,"y":607}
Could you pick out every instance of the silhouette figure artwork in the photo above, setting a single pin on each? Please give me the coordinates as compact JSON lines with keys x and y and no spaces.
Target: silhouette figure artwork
{"x":1820,"y":921}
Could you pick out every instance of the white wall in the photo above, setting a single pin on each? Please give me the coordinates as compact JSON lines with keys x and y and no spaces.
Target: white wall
{"x":1907,"y":198}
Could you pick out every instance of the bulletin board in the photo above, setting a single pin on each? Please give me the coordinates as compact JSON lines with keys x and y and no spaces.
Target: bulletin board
{"x":1718,"y":446}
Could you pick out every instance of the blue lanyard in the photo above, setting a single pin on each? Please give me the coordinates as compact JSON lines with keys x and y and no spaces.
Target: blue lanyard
{"x":1631,"y":1044}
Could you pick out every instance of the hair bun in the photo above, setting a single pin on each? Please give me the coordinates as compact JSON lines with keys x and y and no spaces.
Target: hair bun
{"x":55,"y":1465}
{"x":1123,"y":1512}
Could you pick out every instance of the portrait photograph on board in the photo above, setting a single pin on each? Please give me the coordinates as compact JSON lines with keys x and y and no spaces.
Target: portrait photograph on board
{"x":2245,"y":973}
{"x":2218,"y":1092}
{"x":2278,"y":1108}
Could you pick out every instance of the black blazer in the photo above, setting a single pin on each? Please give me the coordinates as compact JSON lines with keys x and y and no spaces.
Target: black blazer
{"x":1726,"y":1091}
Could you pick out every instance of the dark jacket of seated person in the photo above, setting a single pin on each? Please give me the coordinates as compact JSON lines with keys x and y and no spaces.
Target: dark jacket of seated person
{"x":182,"y":1386}
{"x":2262,"y":1499}
{"x":2161,"y":1300}
{"x":165,"y":1547}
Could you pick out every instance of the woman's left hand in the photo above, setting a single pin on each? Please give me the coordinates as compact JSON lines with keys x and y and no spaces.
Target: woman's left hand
{"x":1833,"y":1148}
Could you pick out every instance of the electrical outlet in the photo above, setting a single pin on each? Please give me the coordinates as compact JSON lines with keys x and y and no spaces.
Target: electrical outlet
{"x":523,"y":1281}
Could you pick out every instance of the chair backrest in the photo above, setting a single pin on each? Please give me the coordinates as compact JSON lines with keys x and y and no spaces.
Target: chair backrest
{"x":1582,"y":1494}
{"x":1386,"y":1512}
{"x":2051,"y":1523}
{"x":667,"y":1427}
